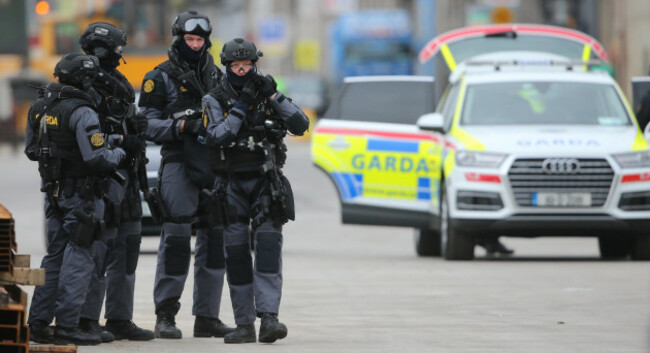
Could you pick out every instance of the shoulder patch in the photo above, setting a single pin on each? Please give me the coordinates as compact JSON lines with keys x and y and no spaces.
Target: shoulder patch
{"x":148,"y":86}
{"x":97,"y":140}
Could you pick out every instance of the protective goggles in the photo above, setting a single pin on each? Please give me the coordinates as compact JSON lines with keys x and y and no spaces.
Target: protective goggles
{"x":191,"y":24}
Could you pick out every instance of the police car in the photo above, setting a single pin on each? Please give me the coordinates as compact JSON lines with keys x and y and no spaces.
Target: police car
{"x":510,"y":150}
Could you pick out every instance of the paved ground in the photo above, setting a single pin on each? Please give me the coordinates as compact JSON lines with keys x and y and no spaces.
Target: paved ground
{"x":362,"y":289}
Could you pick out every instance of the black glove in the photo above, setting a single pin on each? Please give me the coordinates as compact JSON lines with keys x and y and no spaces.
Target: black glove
{"x":141,"y":123}
{"x":268,"y":86}
{"x":194,"y":126}
{"x":248,"y":92}
{"x":132,"y":145}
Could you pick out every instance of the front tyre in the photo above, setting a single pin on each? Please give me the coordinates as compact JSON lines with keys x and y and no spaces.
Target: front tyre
{"x":640,"y":250}
{"x":613,"y":247}
{"x":454,"y":244}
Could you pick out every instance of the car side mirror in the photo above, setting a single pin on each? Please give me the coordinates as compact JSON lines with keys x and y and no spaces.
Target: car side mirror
{"x":432,"y":122}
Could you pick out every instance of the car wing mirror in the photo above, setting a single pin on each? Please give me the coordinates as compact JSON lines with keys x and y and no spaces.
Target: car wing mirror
{"x":432,"y":122}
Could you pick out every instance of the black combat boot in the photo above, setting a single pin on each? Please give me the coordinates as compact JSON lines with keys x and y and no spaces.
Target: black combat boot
{"x":92,"y":327}
{"x":208,"y":327}
{"x":74,"y":335}
{"x":41,"y":333}
{"x":271,"y":329}
{"x":166,"y":326}
{"x":241,"y":334}
{"x":493,"y":246}
{"x":128,"y":330}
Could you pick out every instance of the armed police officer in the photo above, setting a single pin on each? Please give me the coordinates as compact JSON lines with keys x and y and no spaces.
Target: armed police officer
{"x":116,"y":255}
{"x":247,"y":121}
{"x":63,"y":135}
{"x":171,"y":100}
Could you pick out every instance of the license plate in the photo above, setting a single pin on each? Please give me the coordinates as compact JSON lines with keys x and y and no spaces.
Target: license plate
{"x":561,"y":199}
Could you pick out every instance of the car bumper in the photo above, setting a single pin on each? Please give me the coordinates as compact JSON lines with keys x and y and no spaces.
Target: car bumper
{"x":488,"y":206}
{"x":528,"y":225}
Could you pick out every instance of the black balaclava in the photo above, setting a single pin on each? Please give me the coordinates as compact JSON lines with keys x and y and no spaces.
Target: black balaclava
{"x":239,"y":81}
{"x":108,"y":59}
{"x":192,"y":57}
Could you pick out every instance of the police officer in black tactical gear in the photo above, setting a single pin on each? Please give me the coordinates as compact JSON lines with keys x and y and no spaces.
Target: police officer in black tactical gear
{"x":247,"y":121}
{"x":171,"y":99}
{"x":63,"y":135}
{"x":116,"y":255}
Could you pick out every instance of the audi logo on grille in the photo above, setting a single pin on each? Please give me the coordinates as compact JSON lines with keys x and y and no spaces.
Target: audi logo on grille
{"x":561,"y":166}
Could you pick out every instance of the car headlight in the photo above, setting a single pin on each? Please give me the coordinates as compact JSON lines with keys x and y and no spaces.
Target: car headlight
{"x":633,"y":160}
{"x":479,"y":159}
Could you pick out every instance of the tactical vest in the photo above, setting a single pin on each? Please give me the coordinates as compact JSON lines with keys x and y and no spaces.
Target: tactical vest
{"x":58,"y":151}
{"x":245,"y":154}
{"x":188,"y":105}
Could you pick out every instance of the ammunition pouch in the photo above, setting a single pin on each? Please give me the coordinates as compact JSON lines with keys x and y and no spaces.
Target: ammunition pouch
{"x":289,"y":209}
{"x":155,"y":202}
{"x":278,"y":206}
{"x":88,"y":228}
{"x":49,"y":167}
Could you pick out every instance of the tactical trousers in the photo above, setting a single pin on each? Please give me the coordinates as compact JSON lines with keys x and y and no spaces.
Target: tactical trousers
{"x":181,"y":198}
{"x":116,"y":257}
{"x":254,"y":287}
{"x":68,"y":266}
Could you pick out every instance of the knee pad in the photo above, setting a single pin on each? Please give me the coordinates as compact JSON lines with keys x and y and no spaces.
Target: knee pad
{"x":216,"y":258}
{"x":132,"y":252}
{"x":239,"y":266}
{"x":267,"y":259}
{"x":177,"y":255}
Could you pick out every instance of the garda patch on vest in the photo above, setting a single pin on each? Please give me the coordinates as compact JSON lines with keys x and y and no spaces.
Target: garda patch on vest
{"x":148,"y":86}
{"x":97,"y":140}
{"x":51,"y":120}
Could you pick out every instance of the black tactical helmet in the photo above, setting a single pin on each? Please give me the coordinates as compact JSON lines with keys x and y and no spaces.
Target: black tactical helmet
{"x":191,"y":22}
{"x":239,"y":49}
{"x":77,"y":70}
{"x":101,"y":34}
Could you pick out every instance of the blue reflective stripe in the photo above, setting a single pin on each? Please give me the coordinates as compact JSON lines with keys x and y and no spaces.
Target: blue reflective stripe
{"x":392,"y":146}
{"x":349,"y":184}
{"x":340,"y":184}
{"x":424,"y":189}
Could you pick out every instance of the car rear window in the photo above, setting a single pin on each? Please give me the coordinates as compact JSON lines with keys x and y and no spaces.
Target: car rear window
{"x":556,"y":103}
{"x":386,"y":102}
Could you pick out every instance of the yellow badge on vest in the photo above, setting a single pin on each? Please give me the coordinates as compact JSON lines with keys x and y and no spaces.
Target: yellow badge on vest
{"x":51,"y":120}
{"x":97,"y":139}
{"x":148,"y":86}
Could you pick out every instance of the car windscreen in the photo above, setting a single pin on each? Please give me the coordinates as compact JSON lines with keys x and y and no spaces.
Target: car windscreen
{"x":386,"y":102}
{"x":543,"y":102}
{"x":470,"y":47}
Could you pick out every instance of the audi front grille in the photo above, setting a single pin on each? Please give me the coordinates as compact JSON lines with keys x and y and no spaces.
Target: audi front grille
{"x":562,"y":175}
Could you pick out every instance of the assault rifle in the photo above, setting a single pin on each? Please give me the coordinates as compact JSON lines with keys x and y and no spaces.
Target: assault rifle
{"x":151,"y":195}
{"x":272,"y":169}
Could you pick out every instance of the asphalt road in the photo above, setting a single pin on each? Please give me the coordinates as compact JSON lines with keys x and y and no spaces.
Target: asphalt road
{"x":362,"y":289}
